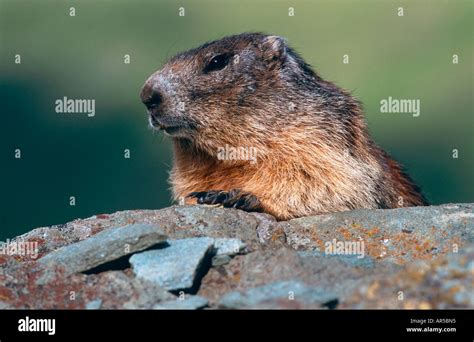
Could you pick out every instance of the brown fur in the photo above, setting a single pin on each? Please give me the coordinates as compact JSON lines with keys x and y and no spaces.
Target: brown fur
{"x":314,"y":154}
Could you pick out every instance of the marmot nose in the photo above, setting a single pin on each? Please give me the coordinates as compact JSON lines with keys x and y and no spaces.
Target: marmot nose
{"x":151,"y":97}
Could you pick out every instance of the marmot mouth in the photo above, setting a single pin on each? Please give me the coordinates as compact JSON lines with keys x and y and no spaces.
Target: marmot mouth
{"x":171,"y":129}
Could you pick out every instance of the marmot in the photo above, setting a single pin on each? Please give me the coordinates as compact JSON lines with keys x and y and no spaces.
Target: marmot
{"x":313,"y":151}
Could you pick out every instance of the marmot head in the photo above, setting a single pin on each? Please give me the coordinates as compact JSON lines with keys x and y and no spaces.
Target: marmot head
{"x":231,"y":90}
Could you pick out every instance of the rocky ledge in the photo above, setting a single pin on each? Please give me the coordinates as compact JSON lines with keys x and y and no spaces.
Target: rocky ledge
{"x":194,"y":257}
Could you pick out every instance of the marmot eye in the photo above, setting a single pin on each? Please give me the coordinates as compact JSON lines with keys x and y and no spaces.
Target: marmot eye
{"x":217,"y":63}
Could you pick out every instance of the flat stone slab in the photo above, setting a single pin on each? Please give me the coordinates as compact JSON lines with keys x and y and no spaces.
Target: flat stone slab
{"x":190,"y":303}
{"x":176,"y":266}
{"x":279,"y":295}
{"x":104,"y":246}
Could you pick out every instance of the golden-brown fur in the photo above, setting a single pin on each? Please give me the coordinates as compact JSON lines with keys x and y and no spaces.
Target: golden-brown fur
{"x":314,"y":154}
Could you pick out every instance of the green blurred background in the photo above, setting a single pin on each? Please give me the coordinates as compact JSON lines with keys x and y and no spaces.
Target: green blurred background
{"x":82,"y":57}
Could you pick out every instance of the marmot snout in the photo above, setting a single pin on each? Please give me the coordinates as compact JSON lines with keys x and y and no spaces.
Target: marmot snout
{"x":252,"y":94}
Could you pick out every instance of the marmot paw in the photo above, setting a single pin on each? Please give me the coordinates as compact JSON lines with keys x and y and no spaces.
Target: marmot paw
{"x":229,"y":199}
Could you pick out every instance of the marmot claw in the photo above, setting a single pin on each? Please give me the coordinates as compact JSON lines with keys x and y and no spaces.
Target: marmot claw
{"x":229,"y":199}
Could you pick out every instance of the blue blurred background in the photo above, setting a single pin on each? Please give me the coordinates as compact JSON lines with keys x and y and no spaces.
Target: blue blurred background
{"x":83,"y":57}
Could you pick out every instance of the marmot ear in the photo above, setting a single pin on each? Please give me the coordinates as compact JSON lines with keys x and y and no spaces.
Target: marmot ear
{"x":273,"y":49}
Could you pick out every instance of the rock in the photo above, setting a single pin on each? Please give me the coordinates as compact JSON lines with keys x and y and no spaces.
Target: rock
{"x":103,"y":247}
{"x":279,"y":295}
{"x":338,"y":275}
{"x":224,"y":249}
{"x":117,"y":290}
{"x":219,"y":260}
{"x":5,"y":305}
{"x":94,"y":305}
{"x":114,"y":290}
{"x":225,"y":246}
{"x":230,"y":258}
{"x":444,"y":283}
{"x":400,"y":235}
{"x":175,"y":267}
{"x":189,"y":303}
{"x":177,"y":222}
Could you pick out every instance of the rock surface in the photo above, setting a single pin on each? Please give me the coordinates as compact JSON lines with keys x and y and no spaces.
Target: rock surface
{"x":419,"y":257}
{"x":191,"y":303}
{"x":105,"y":246}
{"x":282,"y":294}
{"x":173,"y":267}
